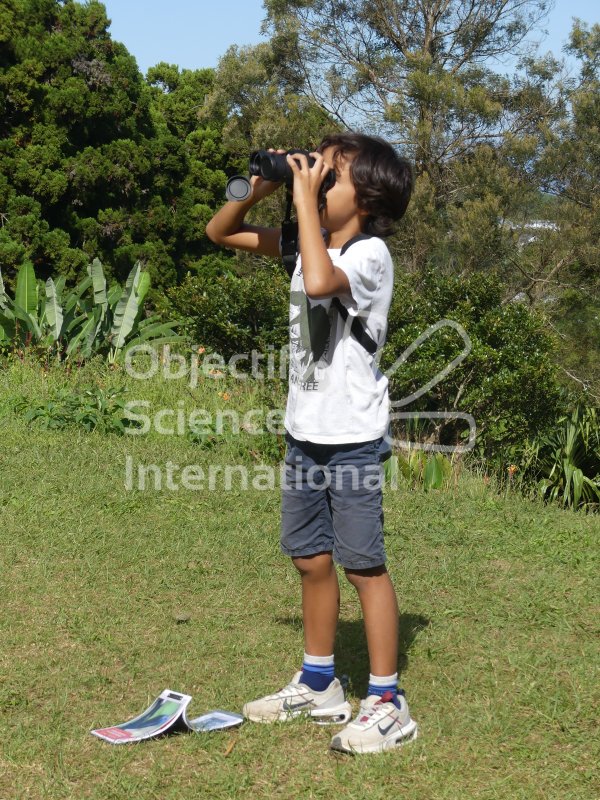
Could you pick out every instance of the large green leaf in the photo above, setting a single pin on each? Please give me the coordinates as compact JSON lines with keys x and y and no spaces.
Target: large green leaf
{"x":30,"y":322}
{"x":433,"y":476}
{"x":149,"y":321}
{"x":26,"y":294}
{"x":99,"y":282}
{"x":3,"y":296}
{"x":73,"y":323}
{"x":162,"y":340}
{"x":60,"y":285}
{"x":578,"y":481}
{"x":7,"y":325}
{"x":126,"y":310}
{"x":152,"y":331}
{"x":70,"y":302}
{"x":157,"y":329}
{"x":92,"y":338}
{"x":77,"y":341}
{"x":86,"y":344}
{"x":143,"y":286}
{"x":53,"y":310}
{"x":114,"y":295}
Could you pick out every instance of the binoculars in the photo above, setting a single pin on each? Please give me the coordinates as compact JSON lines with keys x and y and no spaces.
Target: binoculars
{"x":271,"y":167}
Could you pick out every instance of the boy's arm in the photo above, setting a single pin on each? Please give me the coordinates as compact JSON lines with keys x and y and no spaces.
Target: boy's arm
{"x":321,"y":278}
{"x":228,"y":228}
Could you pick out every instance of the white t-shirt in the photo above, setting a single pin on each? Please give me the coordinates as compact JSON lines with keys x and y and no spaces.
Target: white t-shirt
{"x":337,"y":394}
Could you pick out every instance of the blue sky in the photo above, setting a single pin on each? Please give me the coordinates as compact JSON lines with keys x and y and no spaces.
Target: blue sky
{"x":195,"y":34}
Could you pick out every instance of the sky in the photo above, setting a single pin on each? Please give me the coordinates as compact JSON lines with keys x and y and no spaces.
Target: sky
{"x":195,"y":33}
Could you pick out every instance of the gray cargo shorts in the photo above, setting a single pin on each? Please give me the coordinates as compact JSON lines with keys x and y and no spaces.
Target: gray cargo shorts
{"x":331,"y":500}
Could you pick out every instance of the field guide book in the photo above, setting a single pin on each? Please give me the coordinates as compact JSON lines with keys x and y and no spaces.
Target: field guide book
{"x":167,"y":714}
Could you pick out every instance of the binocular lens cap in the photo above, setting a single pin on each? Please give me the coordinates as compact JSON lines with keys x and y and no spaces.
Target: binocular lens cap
{"x":238,"y":188}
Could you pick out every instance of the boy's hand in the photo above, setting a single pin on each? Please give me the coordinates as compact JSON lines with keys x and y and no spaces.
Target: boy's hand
{"x":262,"y":188}
{"x":307,"y":180}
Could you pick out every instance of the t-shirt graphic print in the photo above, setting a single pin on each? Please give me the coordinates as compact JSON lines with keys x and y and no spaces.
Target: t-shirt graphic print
{"x":310,"y":334}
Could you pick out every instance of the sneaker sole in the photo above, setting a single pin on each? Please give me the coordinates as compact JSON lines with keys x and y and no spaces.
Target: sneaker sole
{"x":339,"y":715}
{"x":406,"y":734}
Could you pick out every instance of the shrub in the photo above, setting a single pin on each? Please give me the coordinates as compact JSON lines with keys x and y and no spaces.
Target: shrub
{"x":228,"y":314}
{"x":91,"y":409}
{"x":108,"y":323}
{"x":507,"y":380}
{"x":565,"y":462}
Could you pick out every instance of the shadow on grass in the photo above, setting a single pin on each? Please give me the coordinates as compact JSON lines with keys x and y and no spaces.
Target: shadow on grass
{"x":351,"y":653}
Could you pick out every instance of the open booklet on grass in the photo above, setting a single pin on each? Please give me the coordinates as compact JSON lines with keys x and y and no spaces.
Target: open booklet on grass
{"x":167,"y":714}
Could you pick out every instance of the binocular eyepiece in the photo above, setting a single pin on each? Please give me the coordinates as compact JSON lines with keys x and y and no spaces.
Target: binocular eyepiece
{"x":271,"y":167}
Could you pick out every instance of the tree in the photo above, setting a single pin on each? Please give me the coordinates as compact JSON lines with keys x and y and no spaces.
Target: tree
{"x":562,"y":268}
{"x":418,"y":71}
{"x":94,"y":160}
{"x":492,"y":152}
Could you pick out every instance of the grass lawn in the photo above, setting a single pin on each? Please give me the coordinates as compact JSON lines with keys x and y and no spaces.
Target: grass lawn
{"x":499,"y":620}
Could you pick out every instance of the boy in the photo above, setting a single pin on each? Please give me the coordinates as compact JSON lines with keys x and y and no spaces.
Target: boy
{"x":336,"y":417}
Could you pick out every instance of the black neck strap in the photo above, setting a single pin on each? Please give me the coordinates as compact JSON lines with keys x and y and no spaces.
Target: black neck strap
{"x":289,"y":238}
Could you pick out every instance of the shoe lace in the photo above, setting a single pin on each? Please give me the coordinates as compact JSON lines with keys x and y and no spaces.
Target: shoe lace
{"x":290,"y":690}
{"x":367,"y":710}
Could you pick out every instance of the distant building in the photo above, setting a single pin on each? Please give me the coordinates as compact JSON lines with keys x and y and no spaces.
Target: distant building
{"x":527,"y":230}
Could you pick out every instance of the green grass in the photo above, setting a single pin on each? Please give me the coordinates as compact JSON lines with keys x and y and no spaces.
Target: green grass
{"x":498,"y":598}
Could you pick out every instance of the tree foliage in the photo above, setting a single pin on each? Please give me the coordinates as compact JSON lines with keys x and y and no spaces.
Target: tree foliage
{"x":95,"y":161}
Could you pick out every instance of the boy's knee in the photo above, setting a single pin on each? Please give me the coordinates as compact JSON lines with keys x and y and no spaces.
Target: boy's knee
{"x":317,"y":566}
{"x":360,"y":578}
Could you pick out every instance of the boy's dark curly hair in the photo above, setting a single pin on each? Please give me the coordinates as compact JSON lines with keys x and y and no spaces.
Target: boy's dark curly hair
{"x":383,"y":180}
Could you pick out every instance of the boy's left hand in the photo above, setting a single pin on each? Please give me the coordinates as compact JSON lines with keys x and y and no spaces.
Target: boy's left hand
{"x":307,"y":180}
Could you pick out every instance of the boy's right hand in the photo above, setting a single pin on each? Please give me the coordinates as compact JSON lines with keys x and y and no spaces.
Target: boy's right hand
{"x":262,"y":188}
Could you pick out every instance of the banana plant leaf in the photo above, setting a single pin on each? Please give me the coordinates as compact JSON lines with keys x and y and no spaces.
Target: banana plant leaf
{"x":60,"y":285}
{"x":149,"y":321}
{"x":143,"y":286}
{"x":114,"y":295}
{"x":151,"y":331}
{"x":26,"y":295}
{"x":160,"y":340}
{"x":77,"y":341}
{"x":92,"y":337}
{"x":96,"y":273}
{"x":70,"y":303}
{"x":53,"y":310}
{"x":433,"y":476}
{"x":30,"y":322}
{"x":3,"y":296}
{"x":7,"y":325}
{"x":127,"y":309}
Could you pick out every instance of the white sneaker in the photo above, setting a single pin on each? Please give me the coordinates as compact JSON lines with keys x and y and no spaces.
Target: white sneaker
{"x":328,"y":707}
{"x":380,"y":725}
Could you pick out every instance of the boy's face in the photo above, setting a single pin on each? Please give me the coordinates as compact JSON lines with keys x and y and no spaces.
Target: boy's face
{"x":342,"y":205}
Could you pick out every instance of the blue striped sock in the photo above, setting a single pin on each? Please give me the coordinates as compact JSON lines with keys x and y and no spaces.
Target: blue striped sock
{"x":380,"y":684}
{"x":317,"y":672}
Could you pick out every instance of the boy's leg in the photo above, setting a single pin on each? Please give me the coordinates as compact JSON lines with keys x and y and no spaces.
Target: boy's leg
{"x":307,"y":536}
{"x":384,"y":719}
{"x":380,"y":612}
{"x":314,"y":690}
{"x":320,"y":602}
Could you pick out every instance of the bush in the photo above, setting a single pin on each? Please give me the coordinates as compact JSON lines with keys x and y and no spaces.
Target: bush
{"x":228,"y":314}
{"x":91,"y":409}
{"x":507,"y":380}
{"x":565,"y":462}
{"x":87,"y":321}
